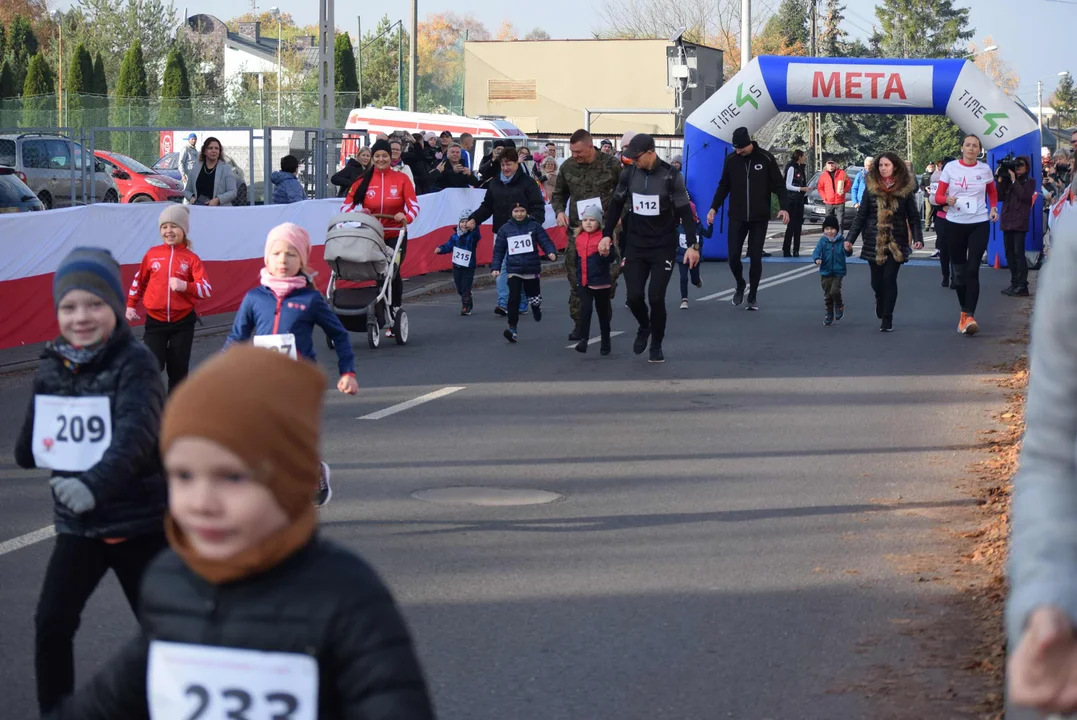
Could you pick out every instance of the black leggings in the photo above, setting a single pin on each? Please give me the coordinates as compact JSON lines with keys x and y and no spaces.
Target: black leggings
{"x":756,"y":232}
{"x":600,"y":299}
{"x":792,"y":230}
{"x":967,"y":243}
{"x":73,"y":573}
{"x":943,"y":246}
{"x":884,"y":283}
{"x":529,"y":287}
{"x":656,"y":264}
{"x":171,"y":344}
{"x":397,"y":284}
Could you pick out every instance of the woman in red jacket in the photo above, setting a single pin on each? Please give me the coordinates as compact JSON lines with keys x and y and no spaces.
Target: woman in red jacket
{"x":169,"y":283}
{"x":385,"y":191}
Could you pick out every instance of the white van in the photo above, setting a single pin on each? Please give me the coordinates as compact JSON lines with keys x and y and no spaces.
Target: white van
{"x":389,"y":120}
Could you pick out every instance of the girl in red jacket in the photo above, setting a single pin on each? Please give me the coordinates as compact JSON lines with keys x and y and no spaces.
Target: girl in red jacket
{"x":169,"y":283}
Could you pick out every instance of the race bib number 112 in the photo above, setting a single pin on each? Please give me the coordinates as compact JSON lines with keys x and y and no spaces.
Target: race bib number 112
{"x":201,"y":682}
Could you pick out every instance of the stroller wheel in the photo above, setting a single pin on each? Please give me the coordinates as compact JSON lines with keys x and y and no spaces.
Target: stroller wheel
{"x":400,"y":332}
{"x":373,"y":336}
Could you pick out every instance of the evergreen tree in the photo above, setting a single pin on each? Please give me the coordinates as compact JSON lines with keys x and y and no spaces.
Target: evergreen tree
{"x":175,"y":92}
{"x":1064,"y":101}
{"x":100,"y":88}
{"x":380,"y":65}
{"x":39,"y":102}
{"x":79,"y":88}
{"x":790,"y":23}
{"x":100,"y":85}
{"x":131,"y":108}
{"x":7,"y":81}
{"x":832,"y":40}
{"x":921,"y":28}
{"x":347,"y":81}
{"x":3,"y":42}
{"x":22,"y":46}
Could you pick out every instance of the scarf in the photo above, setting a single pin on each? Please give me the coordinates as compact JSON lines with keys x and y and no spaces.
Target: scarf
{"x":506,"y":179}
{"x":282,"y":287}
{"x":267,"y":554}
{"x":77,"y":355}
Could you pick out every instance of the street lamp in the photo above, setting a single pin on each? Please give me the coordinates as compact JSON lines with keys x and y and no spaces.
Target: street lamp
{"x":59,"y":18}
{"x":276,"y":14}
{"x":989,"y":48}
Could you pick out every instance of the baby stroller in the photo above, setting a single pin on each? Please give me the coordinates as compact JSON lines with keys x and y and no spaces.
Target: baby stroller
{"x":355,"y":251}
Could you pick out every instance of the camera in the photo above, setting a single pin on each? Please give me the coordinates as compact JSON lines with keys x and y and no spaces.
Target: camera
{"x":1008,"y":163}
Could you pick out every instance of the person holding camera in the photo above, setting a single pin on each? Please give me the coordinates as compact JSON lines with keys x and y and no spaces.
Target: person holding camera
{"x":451,"y":172}
{"x":1017,"y":191}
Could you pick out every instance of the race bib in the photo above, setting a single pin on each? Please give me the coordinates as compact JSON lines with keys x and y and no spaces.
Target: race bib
{"x":284,"y":344}
{"x":461,"y":257}
{"x":933,"y":188}
{"x":966,"y":206}
{"x":582,"y":205}
{"x":645,"y":204}
{"x":200,"y":682}
{"x":684,"y":241}
{"x":71,"y":433}
{"x":521,"y":244}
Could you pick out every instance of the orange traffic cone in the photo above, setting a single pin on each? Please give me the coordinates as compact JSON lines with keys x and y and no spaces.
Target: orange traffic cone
{"x":998,"y":265}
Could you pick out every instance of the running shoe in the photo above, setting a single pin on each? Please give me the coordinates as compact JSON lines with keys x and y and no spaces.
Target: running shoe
{"x":388,"y":332}
{"x":1011,"y":291}
{"x":766,"y":254}
{"x":752,"y":304}
{"x":887,"y":325}
{"x":1021,"y":291}
{"x":581,"y":346}
{"x":935,"y":255}
{"x":465,"y":311}
{"x":839,"y":313}
{"x":537,"y":313}
{"x":828,"y":320}
{"x":325,"y":490}
{"x":698,"y":283}
{"x":738,"y":296}
{"x":656,"y":355}
{"x":968,"y":325}
{"x":510,"y":334}
{"x":500,"y":311}
{"x":946,"y":282}
{"x":604,"y":346}
{"x":684,"y":304}
{"x":524,"y":310}
{"x":641,"y":341}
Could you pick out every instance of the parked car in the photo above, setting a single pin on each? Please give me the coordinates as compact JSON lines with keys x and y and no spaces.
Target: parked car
{"x":138,"y":183}
{"x":15,"y":195}
{"x":169,"y":165}
{"x":815,"y":210}
{"x":51,"y":164}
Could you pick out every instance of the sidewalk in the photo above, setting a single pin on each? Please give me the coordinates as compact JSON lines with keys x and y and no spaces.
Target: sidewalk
{"x":26,"y":357}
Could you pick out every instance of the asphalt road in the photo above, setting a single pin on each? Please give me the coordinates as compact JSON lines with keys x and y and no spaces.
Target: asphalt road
{"x":726,"y":543}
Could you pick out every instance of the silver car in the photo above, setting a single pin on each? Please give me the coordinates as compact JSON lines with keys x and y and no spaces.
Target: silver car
{"x":52,"y":166}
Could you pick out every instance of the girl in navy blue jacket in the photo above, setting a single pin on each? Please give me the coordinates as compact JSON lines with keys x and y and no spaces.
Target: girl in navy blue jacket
{"x":463,"y":245}
{"x":282,"y":311}
{"x":593,"y":279}
{"x":517,"y":243}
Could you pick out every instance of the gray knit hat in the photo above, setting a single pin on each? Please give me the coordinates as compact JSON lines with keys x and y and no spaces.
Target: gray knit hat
{"x":594,"y":212}
{"x":177,"y":214}
{"x":93,"y":270}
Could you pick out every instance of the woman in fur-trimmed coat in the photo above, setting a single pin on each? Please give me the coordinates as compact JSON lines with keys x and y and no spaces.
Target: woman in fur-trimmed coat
{"x":886,"y":217}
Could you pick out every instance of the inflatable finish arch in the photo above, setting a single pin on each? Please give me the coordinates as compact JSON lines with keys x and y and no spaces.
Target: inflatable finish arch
{"x":770,"y":85}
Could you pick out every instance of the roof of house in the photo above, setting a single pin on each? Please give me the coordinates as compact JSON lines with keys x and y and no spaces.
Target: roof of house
{"x":265,"y":47}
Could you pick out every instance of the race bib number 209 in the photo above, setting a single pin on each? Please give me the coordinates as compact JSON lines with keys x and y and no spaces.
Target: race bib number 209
{"x":71,"y":433}
{"x":201,"y":682}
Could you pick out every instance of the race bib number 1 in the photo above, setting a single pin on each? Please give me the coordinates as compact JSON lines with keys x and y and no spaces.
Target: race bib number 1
{"x":461,"y":257}
{"x":71,"y":433}
{"x":646,"y":205}
{"x":966,"y":206}
{"x":521,"y":244}
{"x":284,"y":344}
{"x":200,"y":682}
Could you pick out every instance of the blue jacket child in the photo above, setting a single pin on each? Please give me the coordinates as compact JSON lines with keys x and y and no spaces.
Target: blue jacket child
{"x":465,"y":241}
{"x":463,"y":276}
{"x":832,"y":253}
{"x":525,"y":238}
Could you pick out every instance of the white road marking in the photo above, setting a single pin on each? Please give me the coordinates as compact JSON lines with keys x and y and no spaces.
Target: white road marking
{"x":27,"y":540}
{"x":596,"y":338}
{"x":767,"y":282}
{"x":394,"y":409}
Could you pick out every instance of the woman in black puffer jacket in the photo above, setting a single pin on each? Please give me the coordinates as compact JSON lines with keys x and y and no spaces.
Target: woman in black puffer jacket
{"x":886,"y":216}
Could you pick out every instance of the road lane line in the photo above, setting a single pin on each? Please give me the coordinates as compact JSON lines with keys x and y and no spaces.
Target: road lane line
{"x":705,"y":298}
{"x":768,"y":282}
{"x":400,"y":407}
{"x":27,"y":540}
{"x":596,"y":338}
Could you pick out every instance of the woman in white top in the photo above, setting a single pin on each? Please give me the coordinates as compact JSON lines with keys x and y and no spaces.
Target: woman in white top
{"x":967,"y":189}
{"x":796,"y":184}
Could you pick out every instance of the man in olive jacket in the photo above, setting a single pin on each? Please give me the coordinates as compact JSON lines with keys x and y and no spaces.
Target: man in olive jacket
{"x":588,"y":177}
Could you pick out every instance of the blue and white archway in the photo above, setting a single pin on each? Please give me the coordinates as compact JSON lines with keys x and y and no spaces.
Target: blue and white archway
{"x":770,"y":85}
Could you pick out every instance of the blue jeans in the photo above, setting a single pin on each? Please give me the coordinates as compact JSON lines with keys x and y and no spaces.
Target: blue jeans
{"x":503,"y":288}
{"x":685,"y":272}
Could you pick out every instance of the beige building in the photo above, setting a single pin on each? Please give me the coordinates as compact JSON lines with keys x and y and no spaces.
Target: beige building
{"x":545,"y":86}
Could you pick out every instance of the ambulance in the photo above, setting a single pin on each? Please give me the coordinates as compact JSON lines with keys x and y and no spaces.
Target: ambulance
{"x":388,"y":120}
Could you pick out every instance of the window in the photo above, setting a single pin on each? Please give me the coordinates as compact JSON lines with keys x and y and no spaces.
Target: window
{"x":35,"y":154}
{"x":511,"y":90}
{"x":7,"y":153}
{"x":12,"y":191}
{"x":59,"y":154}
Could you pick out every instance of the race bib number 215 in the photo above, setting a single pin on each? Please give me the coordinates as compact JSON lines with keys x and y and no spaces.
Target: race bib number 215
{"x":201,"y":682}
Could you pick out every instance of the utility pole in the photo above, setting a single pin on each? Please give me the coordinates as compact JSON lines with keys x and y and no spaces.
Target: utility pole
{"x":745,"y":33}
{"x":359,"y":53}
{"x":908,"y":118}
{"x":814,"y":151}
{"x":413,"y":55}
{"x":327,"y":101}
{"x":400,"y":64}
{"x":1039,"y":106}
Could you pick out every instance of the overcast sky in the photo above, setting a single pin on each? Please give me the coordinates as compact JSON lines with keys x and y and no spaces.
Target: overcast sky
{"x":1032,"y":34}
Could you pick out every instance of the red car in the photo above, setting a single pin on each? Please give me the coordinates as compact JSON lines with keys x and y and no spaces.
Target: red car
{"x":138,"y":183}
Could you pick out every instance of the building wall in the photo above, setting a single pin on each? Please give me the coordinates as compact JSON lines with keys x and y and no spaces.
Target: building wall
{"x":553,"y":81}
{"x":237,"y":61}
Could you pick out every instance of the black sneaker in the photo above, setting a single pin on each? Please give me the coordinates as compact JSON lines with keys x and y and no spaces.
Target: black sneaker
{"x":501,"y":311}
{"x":641,"y":341}
{"x":656,"y":355}
{"x":575,"y":335}
{"x":766,"y":254}
{"x":698,"y":283}
{"x":1011,"y":291}
{"x":581,"y":346}
{"x":887,"y":326}
{"x":536,"y":311}
{"x":465,"y":311}
{"x":752,"y":304}
{"x":325,"y":490}
{"x":510,"y":334}
{"x":1021,"y":291}
{"x":604,"y":347}
{"x":738,"y":296}
{"x":946,"y":282}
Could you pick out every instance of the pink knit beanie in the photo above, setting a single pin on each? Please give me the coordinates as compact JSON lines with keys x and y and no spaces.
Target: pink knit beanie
{"x":295,"y":236}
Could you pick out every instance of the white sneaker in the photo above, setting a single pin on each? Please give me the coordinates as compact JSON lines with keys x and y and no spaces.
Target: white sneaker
{"x":325,"y":490}
{"x":684,"y":304}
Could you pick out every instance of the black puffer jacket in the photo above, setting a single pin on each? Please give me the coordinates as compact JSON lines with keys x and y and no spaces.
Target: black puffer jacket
{"x":500,"y":199}
{"x":127,"y":483}
{"x":748,"y":181}
{"x":898,"y":209}
{"x":323,"y":601}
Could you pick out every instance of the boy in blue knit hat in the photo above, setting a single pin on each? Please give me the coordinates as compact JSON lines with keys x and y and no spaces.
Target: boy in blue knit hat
{"x":93,"y":421}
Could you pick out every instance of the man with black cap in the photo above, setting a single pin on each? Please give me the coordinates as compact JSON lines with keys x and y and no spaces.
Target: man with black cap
{"x":658,"y":203}
{"x":749,"y":176}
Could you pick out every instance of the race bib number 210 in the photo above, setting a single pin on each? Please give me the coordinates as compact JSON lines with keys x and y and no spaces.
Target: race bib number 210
{"x":201,"y":682}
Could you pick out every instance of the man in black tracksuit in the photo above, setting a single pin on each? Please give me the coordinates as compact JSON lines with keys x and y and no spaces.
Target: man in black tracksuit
{"x":658,"y":202}
{"x":749,"y":176}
